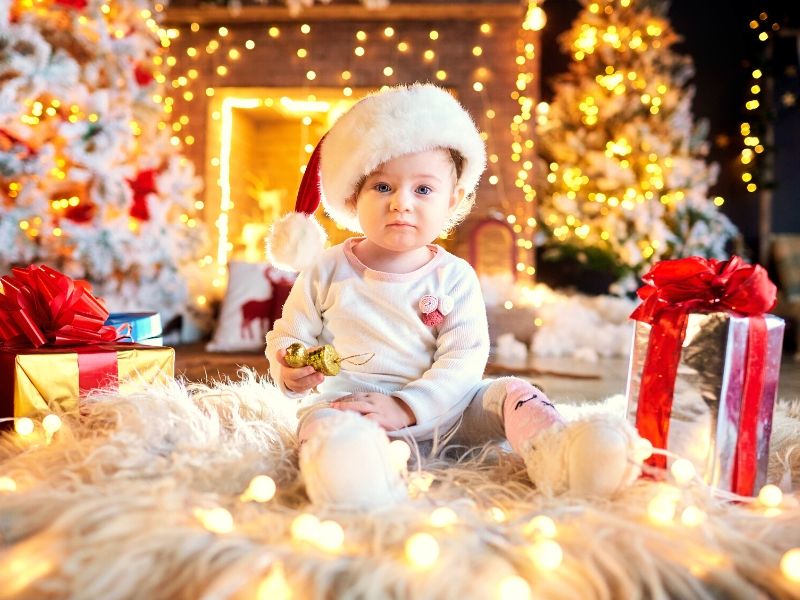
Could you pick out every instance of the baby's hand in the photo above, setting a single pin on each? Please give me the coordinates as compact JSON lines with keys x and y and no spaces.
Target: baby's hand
{"x":388,"y":412}
{"x":298,"y":380}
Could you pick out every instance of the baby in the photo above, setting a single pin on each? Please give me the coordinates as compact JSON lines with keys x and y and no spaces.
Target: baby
{"x":401,"y":168}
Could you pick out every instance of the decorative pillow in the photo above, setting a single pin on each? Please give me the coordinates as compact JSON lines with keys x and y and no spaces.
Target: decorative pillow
{"x":253,"y":301}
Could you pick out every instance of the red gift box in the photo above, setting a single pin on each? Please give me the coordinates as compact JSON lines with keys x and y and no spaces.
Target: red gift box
{"x":704,"y":368}
{"x":54,"y":345}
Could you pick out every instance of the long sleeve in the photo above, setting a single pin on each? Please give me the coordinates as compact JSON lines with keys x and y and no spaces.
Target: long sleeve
{"x":366,"y":313}
{"x":300,"y":322}
{"x":462,"y":349}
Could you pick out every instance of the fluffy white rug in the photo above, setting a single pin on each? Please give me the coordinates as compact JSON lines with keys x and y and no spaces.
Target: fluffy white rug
{"x":120,"y":503}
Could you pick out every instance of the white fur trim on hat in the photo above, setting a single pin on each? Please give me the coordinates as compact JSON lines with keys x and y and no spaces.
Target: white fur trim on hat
{"x":295,"y":242}
{"x":388,"y":124}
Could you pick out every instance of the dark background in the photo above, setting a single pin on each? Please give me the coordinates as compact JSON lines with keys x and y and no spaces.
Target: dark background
{"x":725,"y":50}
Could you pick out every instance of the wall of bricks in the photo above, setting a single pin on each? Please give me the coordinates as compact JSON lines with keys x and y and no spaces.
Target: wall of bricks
{"x":260,"y":147}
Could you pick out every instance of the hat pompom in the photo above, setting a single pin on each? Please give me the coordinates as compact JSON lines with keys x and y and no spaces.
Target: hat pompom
{"x":296,"y":242}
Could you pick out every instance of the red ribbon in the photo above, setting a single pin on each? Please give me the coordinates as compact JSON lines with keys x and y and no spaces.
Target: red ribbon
{"x":672,"y":290}
{"x":97,"y":370}
{"x":40,"y":306}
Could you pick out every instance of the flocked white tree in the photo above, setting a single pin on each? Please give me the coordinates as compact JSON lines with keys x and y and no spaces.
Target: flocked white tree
{"x":90,"y":181}
{"x":627,"y":180}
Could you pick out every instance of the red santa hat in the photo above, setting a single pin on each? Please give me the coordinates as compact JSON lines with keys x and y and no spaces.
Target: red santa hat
{"x":382,"y":126}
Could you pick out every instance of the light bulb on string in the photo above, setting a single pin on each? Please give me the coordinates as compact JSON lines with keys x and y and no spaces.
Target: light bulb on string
{"x":23,"y":426}
{"x":51,"y":424}
{"x":262,"y":488}
{"x":514,"y":587}
{"x":683,"y":471}
{"x":422,"y":550}
{"x":546,"y":554}
{"x":770,"y":496}
{"x":443,"y":516}
{"x":790,"y":565}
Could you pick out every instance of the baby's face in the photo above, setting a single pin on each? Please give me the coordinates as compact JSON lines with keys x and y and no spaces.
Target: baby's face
{"x":406,"y":202}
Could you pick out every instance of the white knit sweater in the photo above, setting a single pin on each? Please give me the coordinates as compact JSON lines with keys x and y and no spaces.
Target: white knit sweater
{"x":435,"y":370}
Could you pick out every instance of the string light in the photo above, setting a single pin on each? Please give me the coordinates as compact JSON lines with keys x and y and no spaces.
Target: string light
{"x":422,"y":550}
{"x":662,"y":508}
{"x":51,"y":424}
{"x":546,"y":554}
{"x":692,"y":516}
{"x":305,"y":527}
{"x":790,"y":565}
{"x":23,"y":426}
{"x":683,"y":471}
{"x":541,"y":526}
{"x":770,"y":496}
{"x":261,"y":488}
{"x":330,"y":536}
{"x":274,"y":586}
{"x":217,"y":520}
{"x":444,"y":516}
{"x":535,"y":17}
{"x":514,"y":587}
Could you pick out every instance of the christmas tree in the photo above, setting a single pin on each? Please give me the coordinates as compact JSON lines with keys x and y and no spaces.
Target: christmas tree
{"x":627,"y":181}
{"x":91,"y":183}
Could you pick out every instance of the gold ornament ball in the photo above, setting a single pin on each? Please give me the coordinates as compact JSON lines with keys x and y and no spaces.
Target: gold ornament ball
{"x":325,"y":360}
{"x":296,"y":356}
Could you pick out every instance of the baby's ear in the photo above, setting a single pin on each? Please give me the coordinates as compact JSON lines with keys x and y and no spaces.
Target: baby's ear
{"x":457,"y":196}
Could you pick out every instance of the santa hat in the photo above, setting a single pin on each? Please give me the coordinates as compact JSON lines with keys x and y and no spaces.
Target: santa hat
{"x":382,"y":126}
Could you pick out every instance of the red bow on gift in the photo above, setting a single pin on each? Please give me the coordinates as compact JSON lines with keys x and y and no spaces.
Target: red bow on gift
{"x":39,"y":305}
{"x":698,"y":284}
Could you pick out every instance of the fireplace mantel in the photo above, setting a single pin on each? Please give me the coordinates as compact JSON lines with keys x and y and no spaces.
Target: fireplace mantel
{"x":396,"y":11}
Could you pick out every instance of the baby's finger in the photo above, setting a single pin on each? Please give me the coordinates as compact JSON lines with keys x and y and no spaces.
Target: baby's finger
{"x":353,"y":405}
{"x":380,"y":420}
{"x":310,"y":380}
{"x":280,"y":355}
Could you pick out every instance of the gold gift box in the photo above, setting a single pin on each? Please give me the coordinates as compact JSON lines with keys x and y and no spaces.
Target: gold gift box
{"x":35,"y":381}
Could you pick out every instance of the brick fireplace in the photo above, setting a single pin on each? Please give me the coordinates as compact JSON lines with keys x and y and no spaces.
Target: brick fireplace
{"x":254,"y":90}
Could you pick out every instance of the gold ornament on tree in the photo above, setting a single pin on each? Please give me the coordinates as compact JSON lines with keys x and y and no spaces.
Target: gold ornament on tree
{"x":325,"y":359}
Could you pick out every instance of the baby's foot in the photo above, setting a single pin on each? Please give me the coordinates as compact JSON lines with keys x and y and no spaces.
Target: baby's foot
{"x":590,"y":457}
{"x":526,"y":412}
{"x":601,"y":455}
{"x":347,"y":465}
{"x":594,"y":456}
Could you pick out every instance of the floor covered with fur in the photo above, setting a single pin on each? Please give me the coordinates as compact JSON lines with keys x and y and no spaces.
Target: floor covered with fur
{"x":144,"y":496}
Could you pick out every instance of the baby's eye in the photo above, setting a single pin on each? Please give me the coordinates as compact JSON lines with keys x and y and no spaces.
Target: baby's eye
{"x":382,"y":187}
{"x":424,"y":190}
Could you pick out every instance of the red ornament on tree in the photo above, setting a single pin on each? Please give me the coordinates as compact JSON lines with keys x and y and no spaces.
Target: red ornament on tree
{"x":82,"y":213}
{"x":143,"y":75}
{"x":142,"y":185}
{"x":76,"y":4}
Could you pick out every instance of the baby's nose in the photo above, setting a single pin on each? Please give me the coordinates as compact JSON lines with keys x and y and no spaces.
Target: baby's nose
{"x":401,"y":201}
